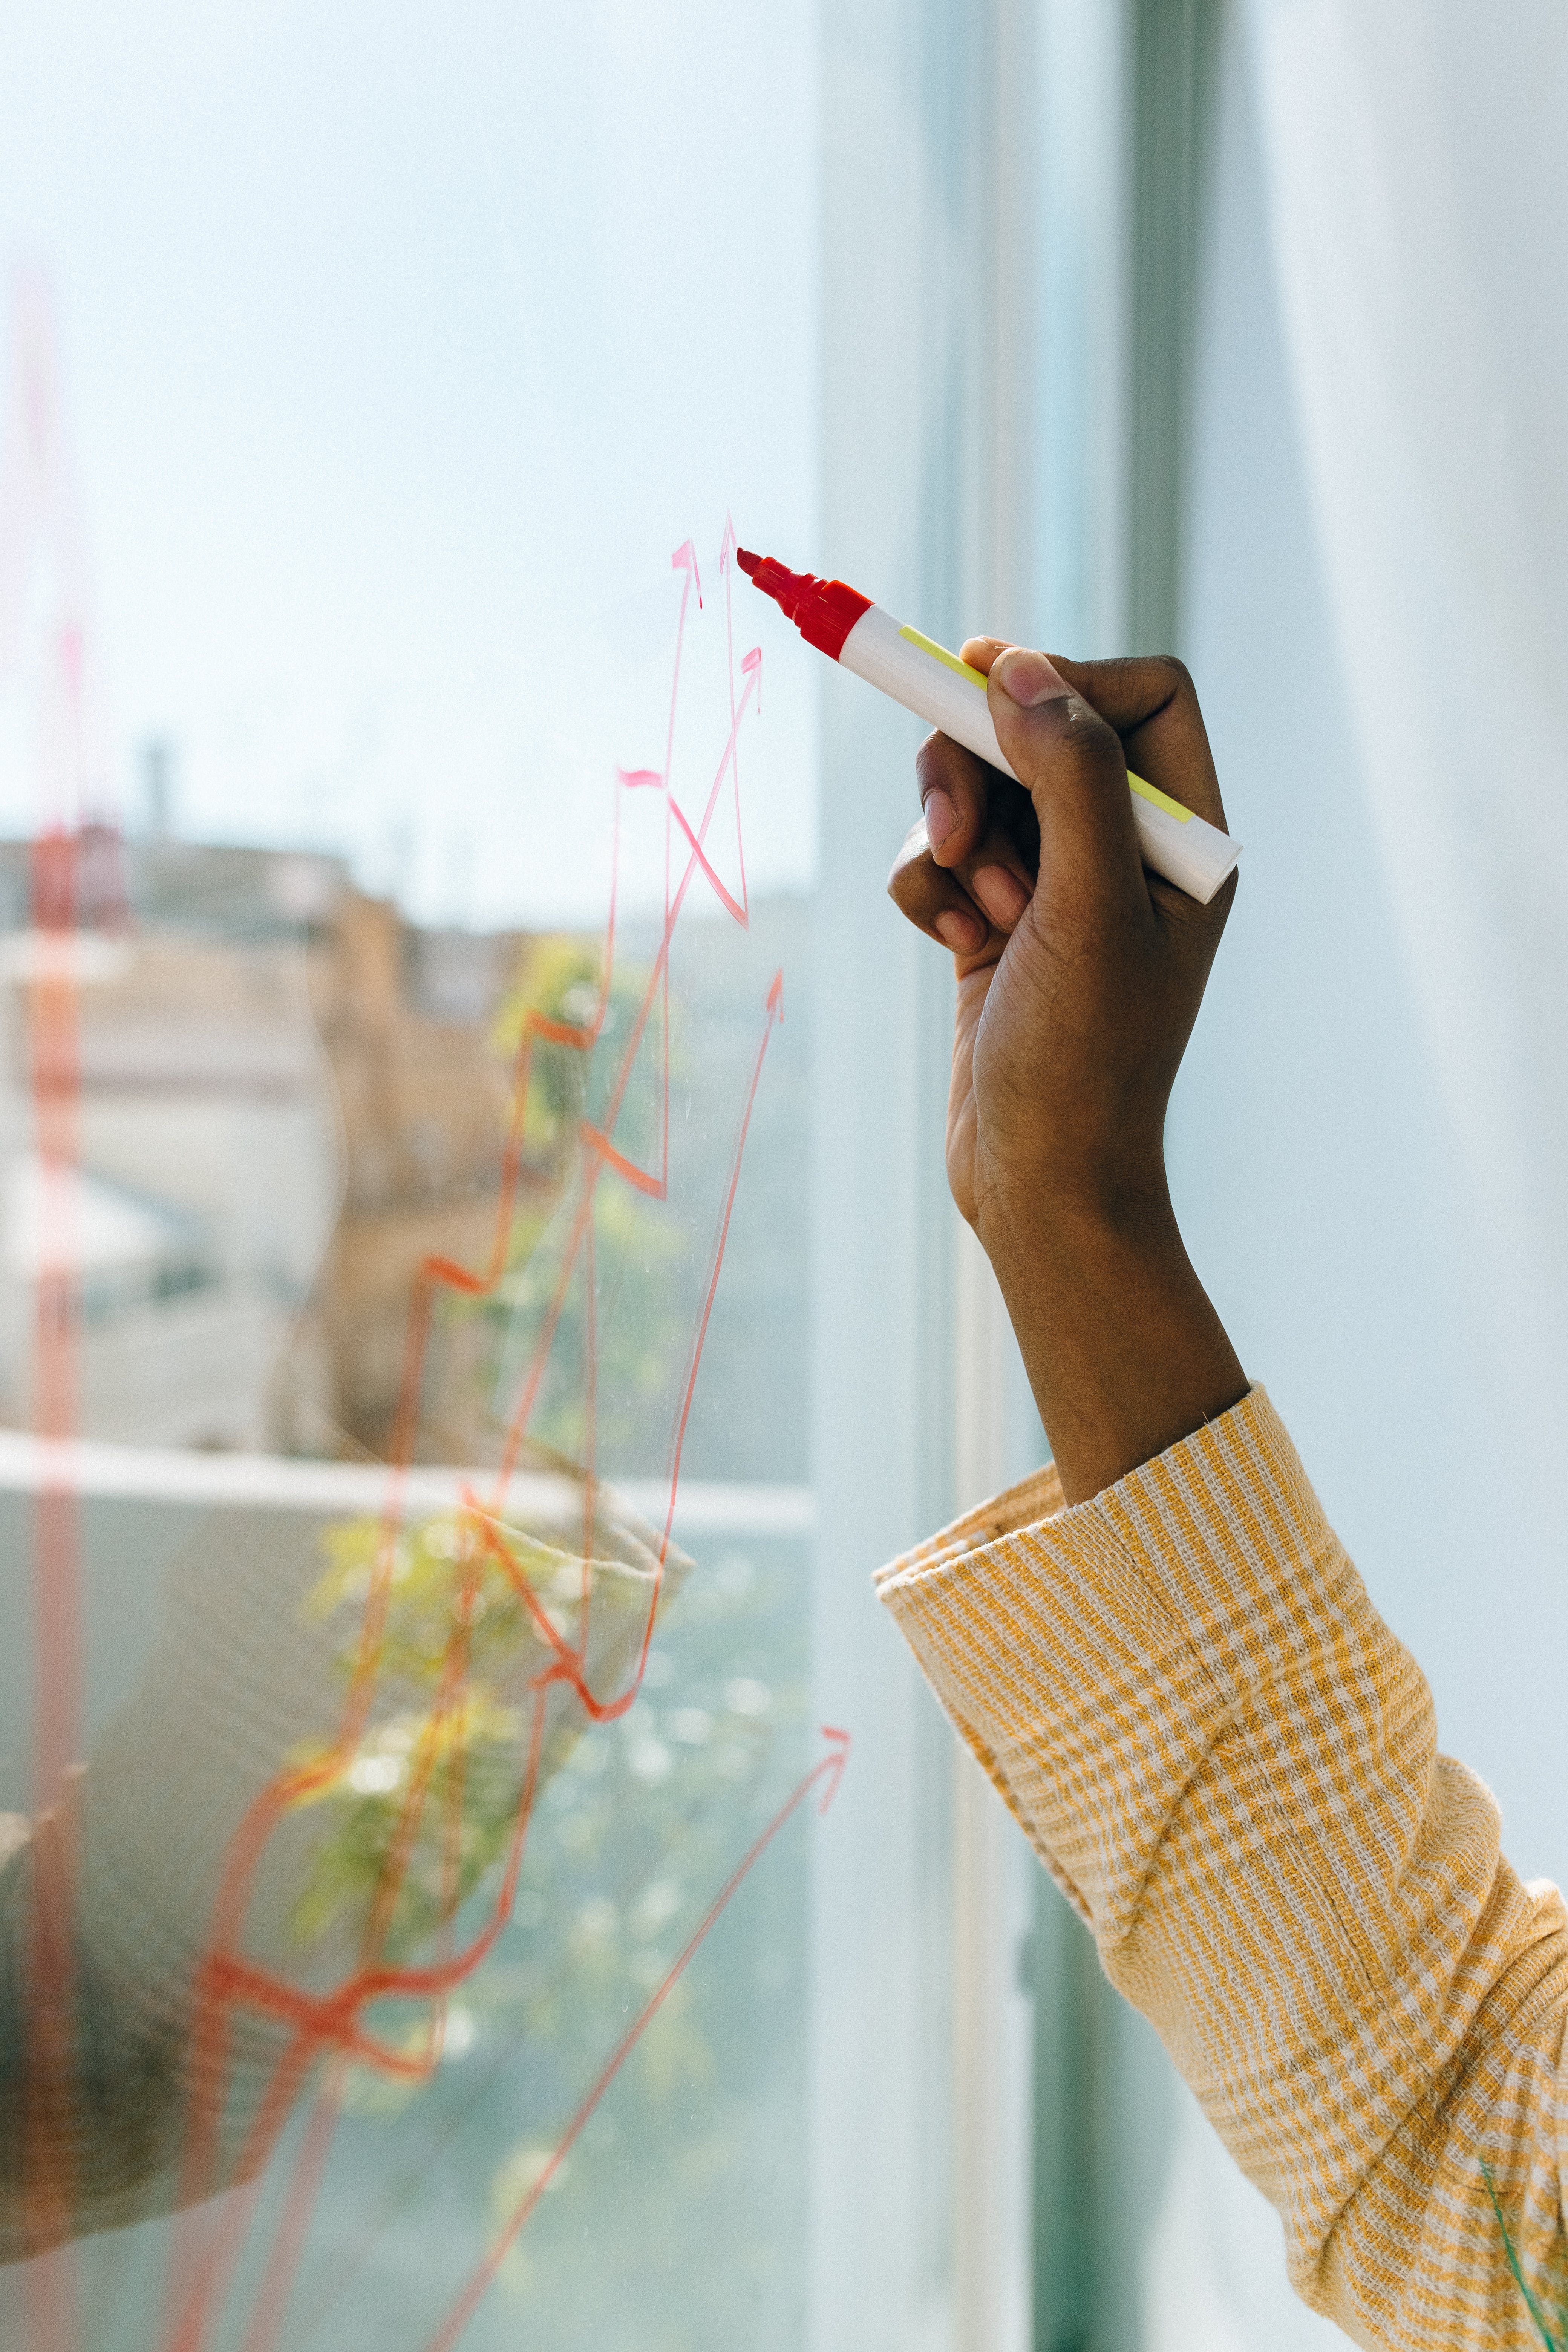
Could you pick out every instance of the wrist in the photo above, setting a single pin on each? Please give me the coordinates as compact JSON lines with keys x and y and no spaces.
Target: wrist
{"x":1053,"y":1226}
{"x":1124,"y":1352}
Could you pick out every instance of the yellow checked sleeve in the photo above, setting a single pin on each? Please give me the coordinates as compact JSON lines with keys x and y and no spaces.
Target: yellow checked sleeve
{"x":1230,"y":1766}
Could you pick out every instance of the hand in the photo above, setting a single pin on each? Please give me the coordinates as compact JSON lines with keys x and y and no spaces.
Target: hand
{"x":1080,"y":977}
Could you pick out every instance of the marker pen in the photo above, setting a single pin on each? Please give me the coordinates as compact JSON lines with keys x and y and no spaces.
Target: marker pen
{"x":935,"y":684}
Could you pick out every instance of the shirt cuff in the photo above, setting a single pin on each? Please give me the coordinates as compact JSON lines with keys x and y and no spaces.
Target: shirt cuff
{"x":1090,"y":1653}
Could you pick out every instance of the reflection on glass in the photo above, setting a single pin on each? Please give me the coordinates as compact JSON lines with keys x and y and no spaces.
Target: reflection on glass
{"x":360,"y":1312}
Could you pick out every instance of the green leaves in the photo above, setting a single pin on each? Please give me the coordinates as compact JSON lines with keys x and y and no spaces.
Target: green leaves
{"x":1552,"y":2343}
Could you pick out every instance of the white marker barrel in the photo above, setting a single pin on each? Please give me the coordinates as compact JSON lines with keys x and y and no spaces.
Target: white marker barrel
{"x":936,"y":687}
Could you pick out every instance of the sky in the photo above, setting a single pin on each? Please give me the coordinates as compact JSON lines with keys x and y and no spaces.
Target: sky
{"x":402,"y":346}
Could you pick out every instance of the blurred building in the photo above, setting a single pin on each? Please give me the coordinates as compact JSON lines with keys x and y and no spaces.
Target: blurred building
{"x":422,"y":1093}
{"x":286,"y":1099}
{"x":206,"y":1176}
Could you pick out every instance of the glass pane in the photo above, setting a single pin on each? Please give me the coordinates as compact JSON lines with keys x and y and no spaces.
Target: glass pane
{"x":404,"y":1179}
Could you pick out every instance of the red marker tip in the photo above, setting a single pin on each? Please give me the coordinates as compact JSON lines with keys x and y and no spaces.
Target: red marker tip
{"x":824,"y":611}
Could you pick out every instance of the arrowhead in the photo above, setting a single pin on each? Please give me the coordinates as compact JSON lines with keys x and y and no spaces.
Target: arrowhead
{"x":832,"y":1764}
{"x":685,"y":560}
{"x":775,"y":995}
{"x":731,"y":543}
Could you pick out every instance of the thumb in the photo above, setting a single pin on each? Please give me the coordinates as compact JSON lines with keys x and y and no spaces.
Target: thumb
{"x":1070,"y":764}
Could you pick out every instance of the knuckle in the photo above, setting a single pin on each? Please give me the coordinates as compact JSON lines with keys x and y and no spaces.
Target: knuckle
{"x":1143,"y":684}
{"x":931,"y":765}
{"x":1197,"y":929}
{"x":940,"y":761}
{"x":909,"y":874}
{"x":1093,"y":745}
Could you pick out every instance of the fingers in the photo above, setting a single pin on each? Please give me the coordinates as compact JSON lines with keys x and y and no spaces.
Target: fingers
{"x":1152,"y":704}
{"x":954,"y":796}
{"x":935,"y":901}
{"x":996,"y":886}
{"x":972,"y":909}
{"x":1072,"y":731}
{"x":963,"y":799}
{"x":1064,"y":749}
{"x":1072,"y":765}
{"x":967,"y":871}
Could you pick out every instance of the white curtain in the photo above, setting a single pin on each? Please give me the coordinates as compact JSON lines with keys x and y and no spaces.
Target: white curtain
{"x":1369,"y":1143}
{"x":1417,"y":163}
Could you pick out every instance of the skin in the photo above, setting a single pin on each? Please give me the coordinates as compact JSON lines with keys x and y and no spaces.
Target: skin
{"x":1079,"y":978}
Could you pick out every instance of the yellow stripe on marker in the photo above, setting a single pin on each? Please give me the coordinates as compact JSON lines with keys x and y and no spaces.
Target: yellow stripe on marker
{"x":1149,"y":792}
{"x":1159,"y":800}
{"x":941,"y":653}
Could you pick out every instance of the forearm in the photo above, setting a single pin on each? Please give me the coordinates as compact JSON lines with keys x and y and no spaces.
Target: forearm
{"x":1124,"y":1352}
